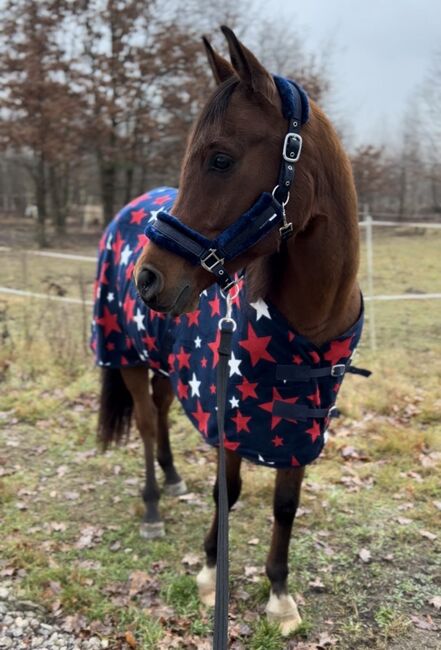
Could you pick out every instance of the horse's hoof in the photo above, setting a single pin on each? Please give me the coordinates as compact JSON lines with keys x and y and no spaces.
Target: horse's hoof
{"x":283,"y":611}
{"x":175,"y":489}
{"x":206,"y":581}
{"x":152,"y":530}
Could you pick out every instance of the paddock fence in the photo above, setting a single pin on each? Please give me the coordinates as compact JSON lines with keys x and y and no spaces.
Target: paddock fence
{"x":400,"y":268}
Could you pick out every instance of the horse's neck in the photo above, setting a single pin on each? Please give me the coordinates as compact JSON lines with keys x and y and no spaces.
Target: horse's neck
{"x":315,"y":285}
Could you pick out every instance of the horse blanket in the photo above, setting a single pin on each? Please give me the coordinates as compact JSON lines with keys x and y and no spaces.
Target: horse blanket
{"x":282,"y":388}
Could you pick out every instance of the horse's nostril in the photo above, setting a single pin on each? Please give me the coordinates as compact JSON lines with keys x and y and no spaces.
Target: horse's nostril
{"x":149,"y":282}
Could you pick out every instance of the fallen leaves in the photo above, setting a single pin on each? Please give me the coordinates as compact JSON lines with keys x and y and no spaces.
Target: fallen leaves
{"x":365,"y":555}
{"x":90,"y":536}
{"x":130,"y":639}
{"x":428,"y":535}
{"x":435,"y":602}
{"x":424,"y":623}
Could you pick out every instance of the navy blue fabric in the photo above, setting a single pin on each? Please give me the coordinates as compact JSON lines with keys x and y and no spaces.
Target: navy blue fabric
{"x":125,"y":332}
{"x":290,"y":108}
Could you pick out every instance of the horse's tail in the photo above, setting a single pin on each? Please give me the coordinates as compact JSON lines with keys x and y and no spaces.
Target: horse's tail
{"x":116,"y":407}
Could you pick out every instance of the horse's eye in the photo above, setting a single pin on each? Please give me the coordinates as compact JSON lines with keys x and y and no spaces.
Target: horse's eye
{"x":221,"y":162}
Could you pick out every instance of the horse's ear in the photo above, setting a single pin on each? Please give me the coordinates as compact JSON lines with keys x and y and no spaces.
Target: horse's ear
{"x":221,"y":68}
{"x":249,"y":69}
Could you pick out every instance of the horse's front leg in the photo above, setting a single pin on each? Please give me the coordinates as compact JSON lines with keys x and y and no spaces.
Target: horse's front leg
{"x":137,"y":382}
{"x":206,"y":579}
{"x":281,"y":607}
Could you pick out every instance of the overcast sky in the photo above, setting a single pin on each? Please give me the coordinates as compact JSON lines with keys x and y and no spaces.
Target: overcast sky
{"x":382,"y":49}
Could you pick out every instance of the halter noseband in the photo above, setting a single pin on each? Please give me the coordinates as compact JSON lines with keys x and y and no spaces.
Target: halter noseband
{"x":268,"y":211}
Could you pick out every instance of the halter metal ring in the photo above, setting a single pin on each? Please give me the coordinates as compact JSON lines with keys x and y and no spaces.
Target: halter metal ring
{"x":273,"y":193}
{"x":225,"y":319}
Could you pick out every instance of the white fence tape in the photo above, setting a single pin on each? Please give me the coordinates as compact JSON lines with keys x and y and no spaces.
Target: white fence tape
{"x":43,"y":296}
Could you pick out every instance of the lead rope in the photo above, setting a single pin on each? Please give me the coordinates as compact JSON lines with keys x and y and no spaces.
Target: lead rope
{"x":227,"y":326}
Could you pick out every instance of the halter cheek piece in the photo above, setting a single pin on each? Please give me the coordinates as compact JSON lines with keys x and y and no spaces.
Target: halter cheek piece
{"x":267,"y":212}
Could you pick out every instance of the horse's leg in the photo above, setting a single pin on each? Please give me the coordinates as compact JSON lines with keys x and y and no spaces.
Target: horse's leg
{"x":281,"y":607}
{"x":206,"y":579}
{"x":163,"y":398}
{"x":137,"y":382}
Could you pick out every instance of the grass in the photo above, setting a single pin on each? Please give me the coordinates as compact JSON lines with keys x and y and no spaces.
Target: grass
{"x":70,"y":515}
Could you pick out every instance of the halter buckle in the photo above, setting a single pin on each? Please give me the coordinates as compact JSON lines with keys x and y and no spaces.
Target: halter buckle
{"x":292,"y":153}
{"x":338,"y":370}
{"x":286,"y":231}
{"x":211,"y":260}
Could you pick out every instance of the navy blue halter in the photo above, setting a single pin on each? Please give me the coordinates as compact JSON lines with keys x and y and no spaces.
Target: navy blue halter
{"x":267,"y":212}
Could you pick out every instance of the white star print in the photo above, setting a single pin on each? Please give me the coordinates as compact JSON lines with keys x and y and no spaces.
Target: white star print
{"x":110,"y":296}
{"x":261,"y":309}
{"x":153,"y":214}
{"x":109,"y":243}
{"x":262,"y":460}
{"x":197,"y":342}
{"x":234,"y":402}
{"x":139,"y":320}
{"x":125,"y":254}
{"x":194,"y":385}
{"x":234,"y":365}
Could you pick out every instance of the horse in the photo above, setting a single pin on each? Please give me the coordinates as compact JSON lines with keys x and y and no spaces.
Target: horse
{"x":290,"y":264}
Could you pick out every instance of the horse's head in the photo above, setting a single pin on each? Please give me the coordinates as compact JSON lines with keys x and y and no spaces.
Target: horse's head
{"x":233,"y":156}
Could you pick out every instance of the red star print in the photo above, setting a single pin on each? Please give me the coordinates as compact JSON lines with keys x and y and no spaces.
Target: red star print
{"x":215,"y":306}
{"x":268,"y":406}
{"x":110,"y":346}
{"x":241,"y":422}
{"x":183,"y":358}
{"x":297,"y":359}
{"x":171,"y":361}
{"x":256,"y":347}
{"x":314,"y":356}
{"x":129,"y":270}
{"x":109,"y":321}
{"x":102,"y":279}
{"x":232,"y":446}
{"x":102,"y":244}
{"x":124,"y":361}
{"x":128,"y":343}
{"x":142,"y":241}
{"x":129,"y":307}
{"x":336,"y":387}
{"x":193,"y":317}
{"x":247,"y":388}
{"x":182,"y":390}
{"x":291,"y":336}
{"x":204,"y":362}
{"x":314,"y":431}
{"x":202,"y":418}
{"x":213,"y":389}
{"x":339,"y":350}
{"x":137,"y":216}
{"x":161,"y":200}
{"x":177,"y":320}
{"x":315,"y":397}
{"x":117,"y":247}
{"x":277,"y":441}
{"x":294,"y":462}
{"x":136,"y":201}
{"x":214,"y":346}
{"x":156,"y":314}
{"x":150,"y":342}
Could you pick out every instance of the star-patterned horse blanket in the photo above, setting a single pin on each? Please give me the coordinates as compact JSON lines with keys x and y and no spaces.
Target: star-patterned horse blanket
{"x":281,"y":387}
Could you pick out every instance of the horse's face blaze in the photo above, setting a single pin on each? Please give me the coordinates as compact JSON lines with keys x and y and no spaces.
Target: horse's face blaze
{"x":231,"y":158}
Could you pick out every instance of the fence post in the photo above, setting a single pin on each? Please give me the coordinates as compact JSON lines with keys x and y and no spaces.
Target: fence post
{"x":370,"y":276}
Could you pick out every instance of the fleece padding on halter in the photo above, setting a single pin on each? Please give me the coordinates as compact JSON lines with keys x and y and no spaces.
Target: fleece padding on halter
{"x":282,"y":388}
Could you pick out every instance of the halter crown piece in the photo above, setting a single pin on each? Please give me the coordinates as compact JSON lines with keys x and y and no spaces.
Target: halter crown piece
{"x":268,"y":211}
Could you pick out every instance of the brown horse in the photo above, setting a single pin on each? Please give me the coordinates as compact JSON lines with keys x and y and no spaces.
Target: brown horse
{"x":233,"y":156}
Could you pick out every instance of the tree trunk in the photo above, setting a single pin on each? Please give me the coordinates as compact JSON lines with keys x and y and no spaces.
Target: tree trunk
{"x":58,"y":196}
{"x":40,"y":192}
{"x":108,"y":178}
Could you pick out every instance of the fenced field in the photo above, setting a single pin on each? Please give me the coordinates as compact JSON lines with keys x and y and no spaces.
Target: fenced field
{"x":365,"y":557}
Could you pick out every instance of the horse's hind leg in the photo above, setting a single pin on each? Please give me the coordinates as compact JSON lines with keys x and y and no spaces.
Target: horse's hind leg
{"x":206,"y":579}
{"x":137,"y":382}
{"x":281,"y":607}
{"x":163,"y":398}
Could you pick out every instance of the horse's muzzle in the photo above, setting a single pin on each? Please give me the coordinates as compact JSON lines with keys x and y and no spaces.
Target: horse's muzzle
{"x":149,"y":283}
